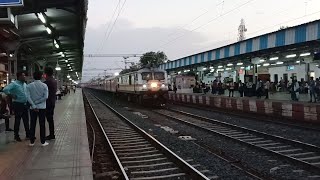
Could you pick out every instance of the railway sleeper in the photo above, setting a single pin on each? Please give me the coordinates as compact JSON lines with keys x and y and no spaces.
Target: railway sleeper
{"x":126,"y":141}
{"x":146,"y":161}
{"x":140,"y":157}
{"x":178,"y":176}
{"x":132,"y":147}
{"x":300,"y":154}
{"x":277,"y":147}
{"x":136,"y":149}
{"x":155,"y":165}
{"x":130,"y":143}
{"x":138,"y":153}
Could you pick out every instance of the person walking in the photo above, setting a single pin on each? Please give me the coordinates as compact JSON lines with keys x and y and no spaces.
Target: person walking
{"x":51,"y":101}
{"x":17,"y":90}
{"x":37,"y":94}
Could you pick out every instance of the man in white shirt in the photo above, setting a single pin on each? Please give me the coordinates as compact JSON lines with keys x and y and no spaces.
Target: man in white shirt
{"x":37,"y":94}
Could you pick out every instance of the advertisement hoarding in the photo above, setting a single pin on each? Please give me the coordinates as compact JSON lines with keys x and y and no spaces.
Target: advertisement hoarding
{"x":11,"y":3}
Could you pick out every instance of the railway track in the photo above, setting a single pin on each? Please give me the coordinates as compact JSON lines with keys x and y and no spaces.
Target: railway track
{"x":299,"y":153}
{"x":255,"y":117}
{"x":138,"y":154}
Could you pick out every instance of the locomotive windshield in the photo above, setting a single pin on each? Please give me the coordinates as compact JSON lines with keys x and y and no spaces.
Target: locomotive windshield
{"x":146,"y":76}
{"x":159,"y":76}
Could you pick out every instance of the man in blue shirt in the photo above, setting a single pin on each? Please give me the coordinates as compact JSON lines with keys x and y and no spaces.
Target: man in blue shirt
{"x":17,"y":90}
{"x":37,"y":94}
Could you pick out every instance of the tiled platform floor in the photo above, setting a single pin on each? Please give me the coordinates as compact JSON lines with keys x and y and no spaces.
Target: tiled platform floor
{"x":66,"y":158}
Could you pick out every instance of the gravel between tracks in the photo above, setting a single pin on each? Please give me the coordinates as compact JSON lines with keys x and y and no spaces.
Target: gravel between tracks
{"x":303,"y":135}
{"x":185,"y":149}
{"x":262,"y":162}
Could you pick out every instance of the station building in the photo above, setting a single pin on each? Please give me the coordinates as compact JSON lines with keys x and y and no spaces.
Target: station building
{"x":284,"y":54}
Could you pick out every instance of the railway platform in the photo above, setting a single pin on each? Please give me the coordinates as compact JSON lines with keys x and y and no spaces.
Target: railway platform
{"x":65,"y":158}
{"x":276,"y":107}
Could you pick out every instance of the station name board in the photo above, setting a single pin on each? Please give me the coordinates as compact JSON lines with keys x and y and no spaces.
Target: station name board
{"x":8,"y":3}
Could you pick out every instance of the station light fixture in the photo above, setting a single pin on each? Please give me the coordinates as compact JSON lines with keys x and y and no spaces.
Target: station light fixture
{"x":230,"y":64}
{"x":68,"y":65}
{"x":211,"y":67}
{"x":266,"y":64}
{"x":56,"y":44}
{"x":212,"y":70}
{"x":274,"y":58}
{"x":298,"y":62}
{"x":66,"y":61}
{"x":228,"y":69}
{"x":262,"y":60}
{"x":49,"y":31}
{"x":11,"y":55}
{"x":63,"y":55}
{"x":258,"y":65}
{"x":239,"y":64}
{"x":273,"y":64}
{"x":305,"y":54}
{"x":179,"y":72}
{"x":280,"y":62}
{"x":220,"y":66}
{"x":317,"y":65}
{"x":242,"y":67}
{"x":291,"y":56}
{"x":58,"y":68}
{"x":68,"y":76}
{"x":116,"y":74}
{"x":42,"y":18}
{"x":204,"y":69}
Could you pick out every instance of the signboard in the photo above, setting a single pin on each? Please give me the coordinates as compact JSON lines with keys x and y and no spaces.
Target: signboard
{"x":290,"y":68}
{"x":11,"y":3}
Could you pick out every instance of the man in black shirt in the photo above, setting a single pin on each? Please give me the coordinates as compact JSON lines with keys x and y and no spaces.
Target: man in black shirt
{"x":52,"y":87}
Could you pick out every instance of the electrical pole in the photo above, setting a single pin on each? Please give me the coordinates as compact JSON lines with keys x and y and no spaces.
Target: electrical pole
{"x":242,"y":31}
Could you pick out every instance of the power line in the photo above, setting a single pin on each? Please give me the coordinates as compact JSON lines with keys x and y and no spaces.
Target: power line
{"x":108,"y":27}
{"x":114,"y":23}
{"x":209,"y":22}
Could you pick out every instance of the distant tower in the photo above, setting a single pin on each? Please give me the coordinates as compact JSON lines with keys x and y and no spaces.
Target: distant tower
{"x":242,"y":31}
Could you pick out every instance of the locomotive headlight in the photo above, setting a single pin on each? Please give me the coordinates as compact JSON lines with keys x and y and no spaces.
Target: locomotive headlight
{"x":163,"y":86}
{"x":144,"y":86}
{"x":154,"y":85}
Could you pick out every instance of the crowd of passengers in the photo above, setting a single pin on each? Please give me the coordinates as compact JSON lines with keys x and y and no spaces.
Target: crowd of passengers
{"x":36,"y":99}
{"x":261,"y":88}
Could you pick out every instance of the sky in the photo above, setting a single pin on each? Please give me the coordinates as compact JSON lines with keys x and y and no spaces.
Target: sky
{"x":180,"y":27}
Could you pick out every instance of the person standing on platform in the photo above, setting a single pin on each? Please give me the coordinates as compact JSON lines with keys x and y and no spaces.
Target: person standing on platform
{"x":312,"y":89}
{"x":37,"y":94}
{"x":51,"y":101}
{"x":17,"y":90}
{"x":266,"y":88}
{"x":4,"y":112}
{"x":241,"y":88}
{"x":231,"y":88}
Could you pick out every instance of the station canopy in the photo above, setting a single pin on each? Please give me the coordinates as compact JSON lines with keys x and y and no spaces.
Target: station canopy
{"x":51,"y":31}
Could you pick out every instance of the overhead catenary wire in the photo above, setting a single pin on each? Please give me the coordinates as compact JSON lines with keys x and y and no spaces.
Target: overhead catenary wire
{"x":209,"y":22}
{"x":108,"y":27}
{"x":114,"y":23}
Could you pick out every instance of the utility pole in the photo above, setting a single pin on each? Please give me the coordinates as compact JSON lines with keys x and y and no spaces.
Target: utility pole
{"x":242,"y":31}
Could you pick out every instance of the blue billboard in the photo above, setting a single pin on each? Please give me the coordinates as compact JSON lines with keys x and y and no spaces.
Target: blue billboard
{"x":11,"y":3}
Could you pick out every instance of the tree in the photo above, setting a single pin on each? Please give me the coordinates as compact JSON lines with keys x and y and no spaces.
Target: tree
{"x":153,"y":59}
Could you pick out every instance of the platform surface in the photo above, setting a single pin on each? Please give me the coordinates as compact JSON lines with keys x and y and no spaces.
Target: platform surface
{"x":66,"y":158}
{"x":273,"y":96}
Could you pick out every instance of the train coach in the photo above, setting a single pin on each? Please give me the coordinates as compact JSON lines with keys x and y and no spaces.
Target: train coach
{"x":147,"y":84}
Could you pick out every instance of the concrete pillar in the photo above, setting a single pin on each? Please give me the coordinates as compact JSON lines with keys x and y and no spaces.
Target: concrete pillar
{"x":255,"y":73}
{"x":307,"y":69}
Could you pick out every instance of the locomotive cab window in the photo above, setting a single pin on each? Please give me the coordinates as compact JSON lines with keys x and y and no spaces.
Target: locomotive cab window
{"x":146,"y":76}
{"x":159,"y":76}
